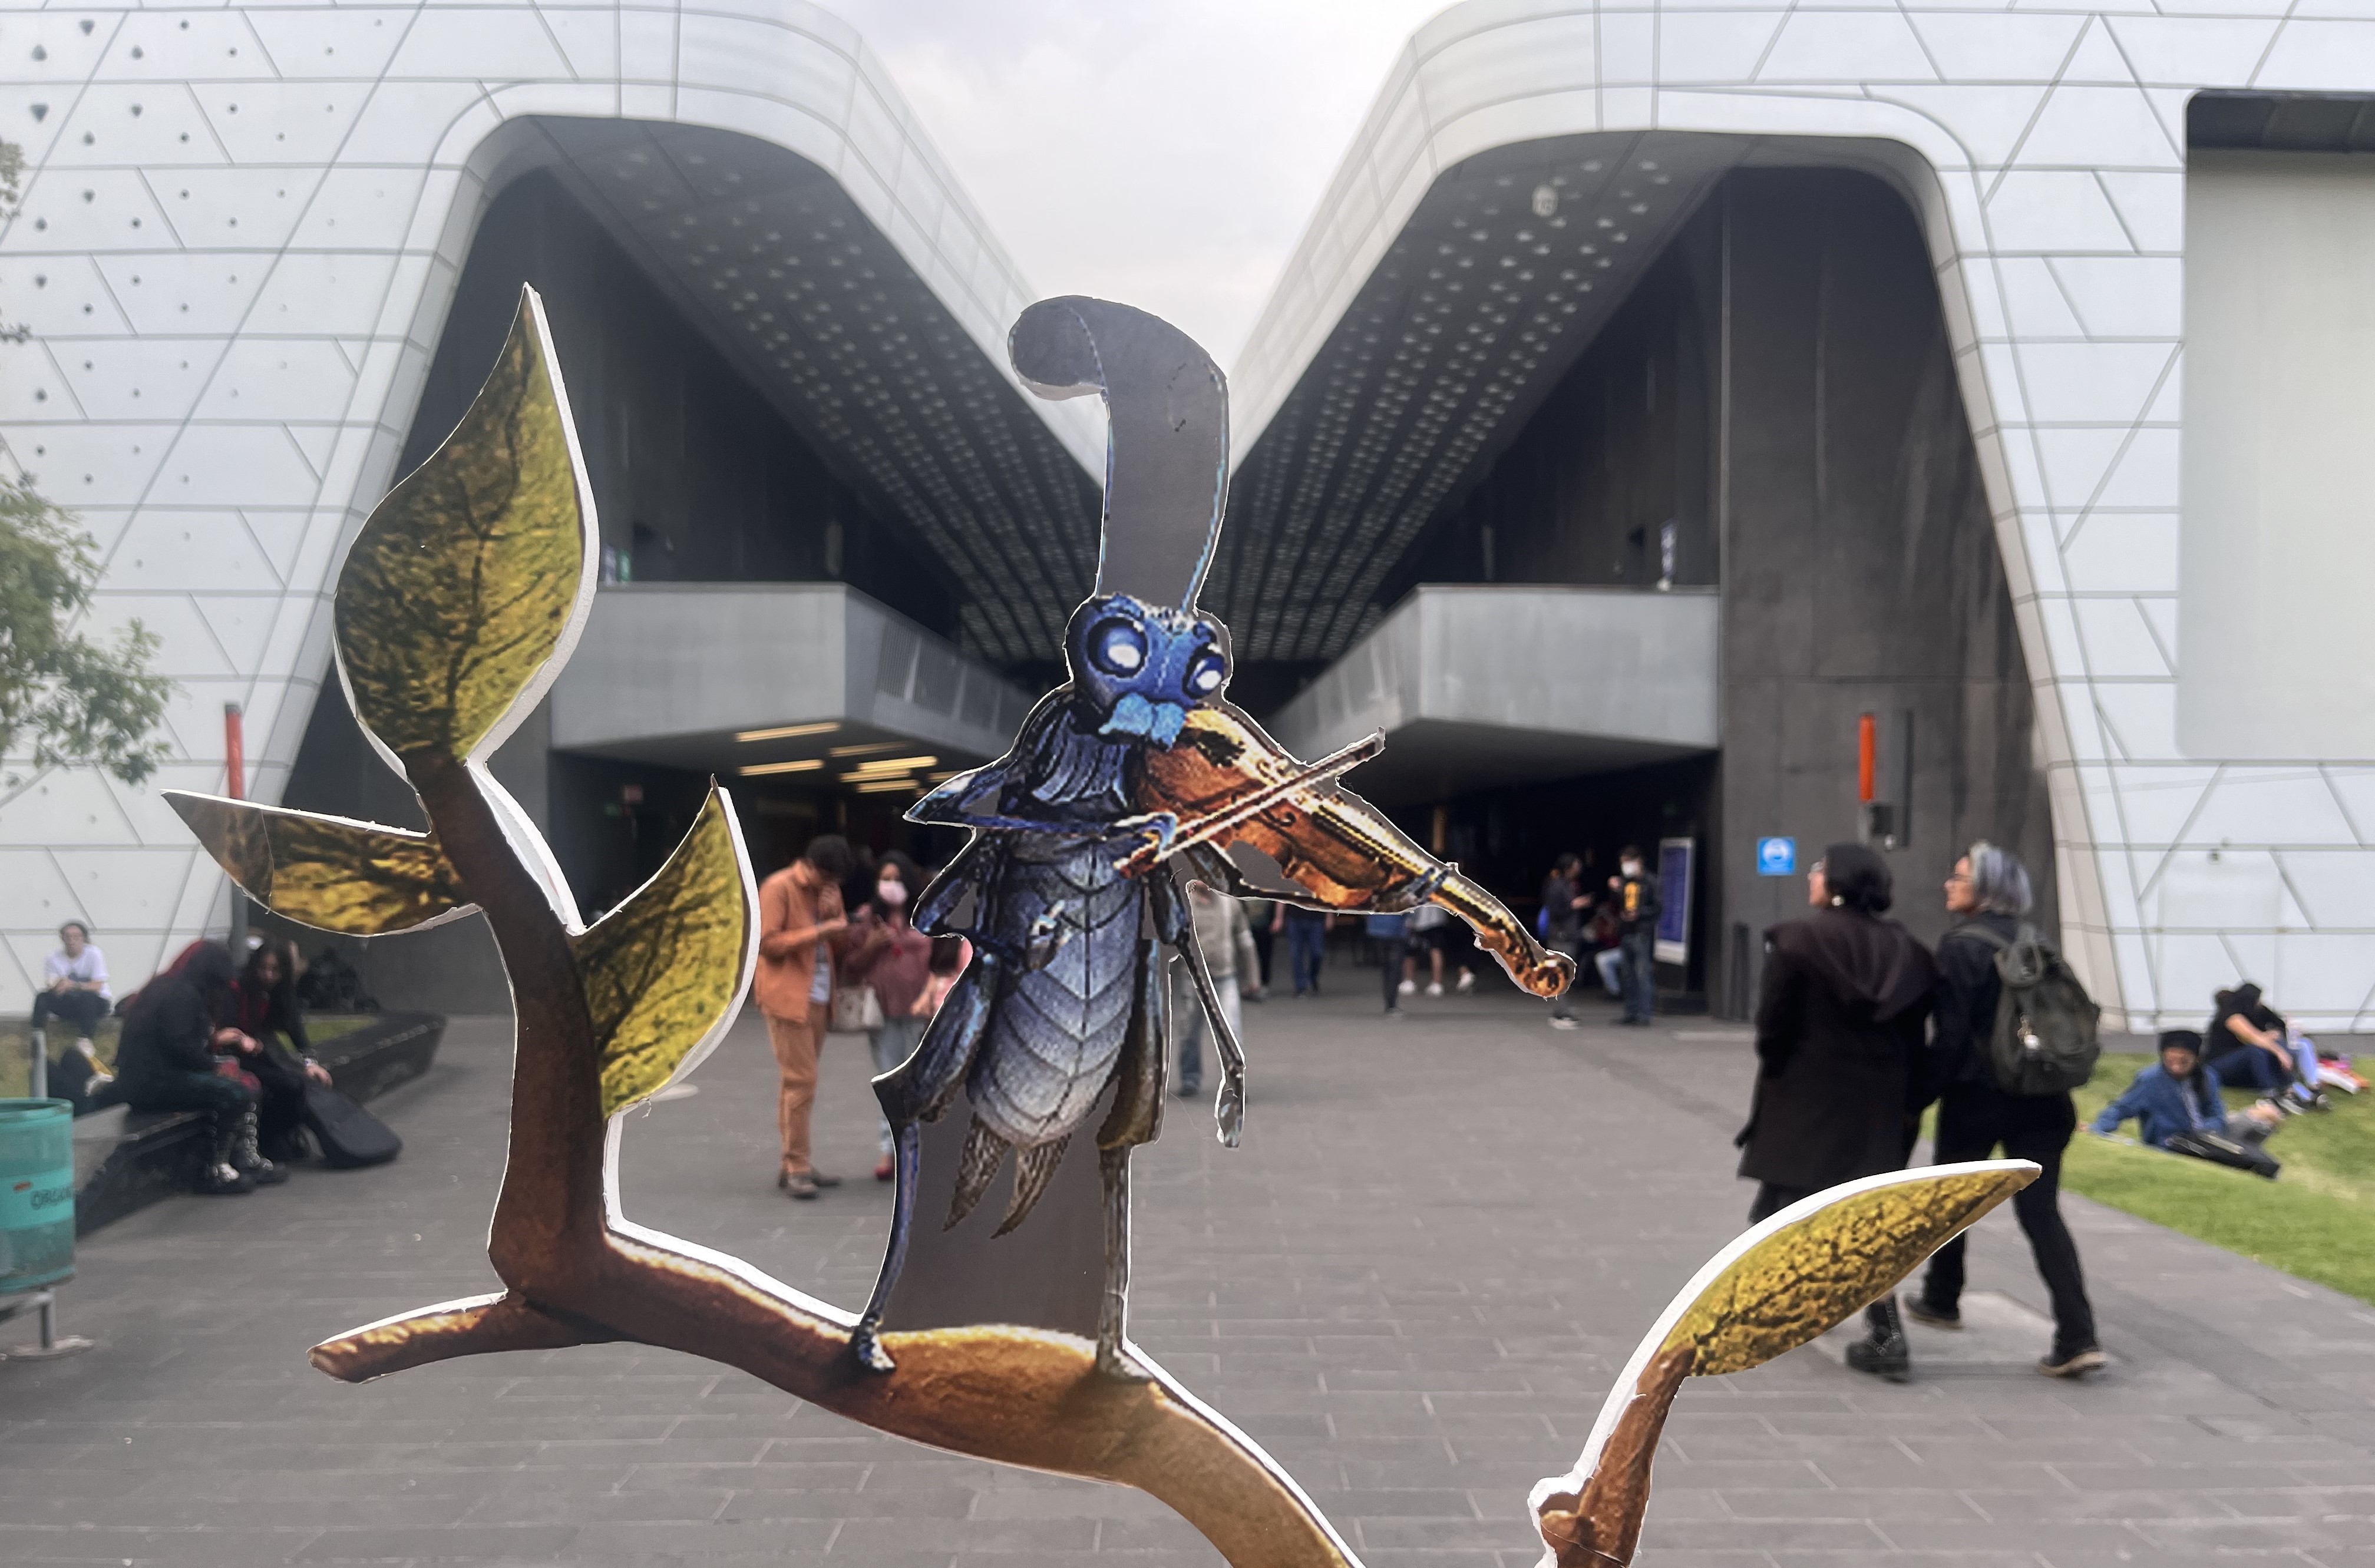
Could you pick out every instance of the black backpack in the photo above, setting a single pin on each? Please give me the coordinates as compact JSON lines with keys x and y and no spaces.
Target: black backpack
{"x":2044,"y":1039}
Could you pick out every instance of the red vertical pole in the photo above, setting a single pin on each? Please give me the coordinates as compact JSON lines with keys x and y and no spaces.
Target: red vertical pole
{"x":235,"y":754}
{"x":1867,"y":756}
{"x":235,"y":786}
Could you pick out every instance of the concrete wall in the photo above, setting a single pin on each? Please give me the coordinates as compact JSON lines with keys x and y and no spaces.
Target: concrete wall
{"x":696,"y":475}
{"x":2279,"y":462}
{"x":1860,"y":568}
{"x":1619,"y":448}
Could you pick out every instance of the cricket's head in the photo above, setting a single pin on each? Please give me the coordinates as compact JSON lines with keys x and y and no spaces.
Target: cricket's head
{"x":1137,"y":669}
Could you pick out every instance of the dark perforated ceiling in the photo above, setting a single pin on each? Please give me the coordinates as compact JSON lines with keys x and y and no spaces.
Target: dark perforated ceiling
{"x":772,"y":262}
{"x":1511,"y":264}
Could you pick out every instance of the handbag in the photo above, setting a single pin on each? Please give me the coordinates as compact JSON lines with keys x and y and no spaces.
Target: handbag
{"x":2220,"y":1149}
{"x":856,"y":1010}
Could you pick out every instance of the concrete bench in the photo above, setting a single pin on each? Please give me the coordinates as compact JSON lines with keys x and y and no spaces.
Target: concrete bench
{"x":127,"y":1159}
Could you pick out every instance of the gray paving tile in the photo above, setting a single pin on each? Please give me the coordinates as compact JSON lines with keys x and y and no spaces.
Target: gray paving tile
{"x":1413,"y":1283}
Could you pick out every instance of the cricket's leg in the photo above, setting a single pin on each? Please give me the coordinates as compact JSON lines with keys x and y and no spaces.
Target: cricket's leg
{"x":1173,"y":924}
{"x":1136,"y":1118}
{"x":972,"y":870}
{"x":913,"y":1093}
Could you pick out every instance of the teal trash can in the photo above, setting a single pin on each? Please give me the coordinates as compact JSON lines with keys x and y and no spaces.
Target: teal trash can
{"x":37,"y":1212}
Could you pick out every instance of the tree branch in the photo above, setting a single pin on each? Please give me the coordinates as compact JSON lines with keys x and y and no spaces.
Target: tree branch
{"x":1605,"y":1525}
{"x":468,"y":1328}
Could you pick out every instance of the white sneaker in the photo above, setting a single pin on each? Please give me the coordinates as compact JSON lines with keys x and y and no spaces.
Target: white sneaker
{"x":1435,"y":987}
{"x":1467,"y":981}
{"x":1562,"y":1023}
{"x":1409,"y":987}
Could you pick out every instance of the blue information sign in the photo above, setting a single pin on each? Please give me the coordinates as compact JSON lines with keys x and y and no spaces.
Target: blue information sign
{"x":1777,"y":857}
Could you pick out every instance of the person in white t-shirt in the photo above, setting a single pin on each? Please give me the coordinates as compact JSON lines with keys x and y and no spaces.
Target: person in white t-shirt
{"x":74,"y":990}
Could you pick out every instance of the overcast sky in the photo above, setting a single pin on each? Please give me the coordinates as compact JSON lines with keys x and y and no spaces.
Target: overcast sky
{"x":1164,"y":155}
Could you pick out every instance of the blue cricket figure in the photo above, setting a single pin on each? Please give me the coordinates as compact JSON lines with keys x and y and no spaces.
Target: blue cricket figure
{"x":1065,"y":995}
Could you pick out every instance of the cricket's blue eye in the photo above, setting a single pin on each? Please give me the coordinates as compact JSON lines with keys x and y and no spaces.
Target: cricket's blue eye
{"x":1118,"y":646}
{"x":1206,"y":672}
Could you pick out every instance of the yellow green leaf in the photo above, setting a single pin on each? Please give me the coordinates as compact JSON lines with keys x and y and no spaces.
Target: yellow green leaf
{"x":463,"y":594}
{"x":664,"y":971}
{"x":357,"y":879}
{"x":1809,"y":1277}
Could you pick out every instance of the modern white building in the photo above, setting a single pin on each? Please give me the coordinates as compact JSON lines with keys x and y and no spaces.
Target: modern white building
{"x":1786,"y":362}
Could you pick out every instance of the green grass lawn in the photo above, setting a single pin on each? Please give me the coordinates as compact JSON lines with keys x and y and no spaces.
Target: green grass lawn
{"x":14,"y":1042}
{"x":2316,"y":1221}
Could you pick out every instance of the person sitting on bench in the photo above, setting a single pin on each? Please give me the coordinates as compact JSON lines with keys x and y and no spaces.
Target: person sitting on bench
{"x":2181,"y":1095}
{"x":166,"y":1061}
{"x":283,"y":1059}
{"x":74,"y":990}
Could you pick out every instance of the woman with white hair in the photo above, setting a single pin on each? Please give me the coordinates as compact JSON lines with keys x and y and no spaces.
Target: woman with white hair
{"x":1989,"y":889}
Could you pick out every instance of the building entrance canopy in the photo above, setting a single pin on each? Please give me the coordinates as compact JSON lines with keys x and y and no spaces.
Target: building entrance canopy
{"x":1478,"y":687}
{"x":727,"y":677}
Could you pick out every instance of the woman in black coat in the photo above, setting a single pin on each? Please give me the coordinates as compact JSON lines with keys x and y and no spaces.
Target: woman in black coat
{"x":167,"y":1061}
{"x":1839,"y":1045}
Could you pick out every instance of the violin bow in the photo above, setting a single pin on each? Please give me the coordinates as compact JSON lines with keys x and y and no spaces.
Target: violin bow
{"x":1248,"y":806}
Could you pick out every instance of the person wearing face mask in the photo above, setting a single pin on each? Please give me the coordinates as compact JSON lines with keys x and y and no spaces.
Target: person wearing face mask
{"x":887,"y":952}
{"x":1635,"y":898}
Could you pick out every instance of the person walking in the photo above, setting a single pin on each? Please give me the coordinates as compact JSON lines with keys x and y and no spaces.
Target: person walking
{"x":801,"y":925}
{"x":1226,"y":940}
{"x":1989,"y":891}
{"x":1391,"y":933}
{"x":1838,"y":1047}
{"x":1636,"y":936}
{"x":885,"y":951}
{"x":1432,"y":933}
{"x":74,"y":990}
{"x":1307,"y":944}
{"x":1565,"y":909}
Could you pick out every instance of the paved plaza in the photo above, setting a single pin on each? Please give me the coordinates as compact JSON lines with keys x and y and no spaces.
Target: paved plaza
{"x":1414,"y":1284}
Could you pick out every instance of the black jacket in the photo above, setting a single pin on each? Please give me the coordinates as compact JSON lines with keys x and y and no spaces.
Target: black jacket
{"x":1839,"y":1042}
{"x":170,"y":1029}
{"x":1563,"y":922}
{"x":1964,"y":1018}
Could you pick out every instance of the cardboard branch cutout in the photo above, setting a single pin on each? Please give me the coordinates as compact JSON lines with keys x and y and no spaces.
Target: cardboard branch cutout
{"x":460,"y":600}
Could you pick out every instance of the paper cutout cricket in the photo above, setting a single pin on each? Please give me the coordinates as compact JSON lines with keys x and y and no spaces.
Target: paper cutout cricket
{"x":459,"y":601}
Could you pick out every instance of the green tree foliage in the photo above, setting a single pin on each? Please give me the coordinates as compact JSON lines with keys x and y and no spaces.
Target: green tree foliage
{"x":68,"y":700}
{"x":64,"y":698}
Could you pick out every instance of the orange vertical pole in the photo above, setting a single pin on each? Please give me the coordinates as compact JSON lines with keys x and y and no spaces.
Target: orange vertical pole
{"x":1867,"y":756}
{"x":235,"y":754}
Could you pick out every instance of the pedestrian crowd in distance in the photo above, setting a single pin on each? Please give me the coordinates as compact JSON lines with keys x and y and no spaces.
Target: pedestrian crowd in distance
{"x":839,"y":954}
{"x":1860,"y":1029}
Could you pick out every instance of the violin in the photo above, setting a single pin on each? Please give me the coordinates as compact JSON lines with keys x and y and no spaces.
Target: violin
{"x":1336,"y":847}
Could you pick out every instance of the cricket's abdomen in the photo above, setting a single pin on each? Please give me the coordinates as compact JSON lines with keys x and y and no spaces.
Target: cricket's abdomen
{"x":1055,"y":1034}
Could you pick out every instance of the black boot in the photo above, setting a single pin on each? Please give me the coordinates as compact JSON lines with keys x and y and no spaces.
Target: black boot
{"x":221,"y":1178}
{"x":1883,"y":1351}
{"x":248,"y":1160}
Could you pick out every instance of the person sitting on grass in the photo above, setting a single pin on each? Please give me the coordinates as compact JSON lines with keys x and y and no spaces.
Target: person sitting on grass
{"x":2249,"y":1046}
{"x":2181,"y":1095}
